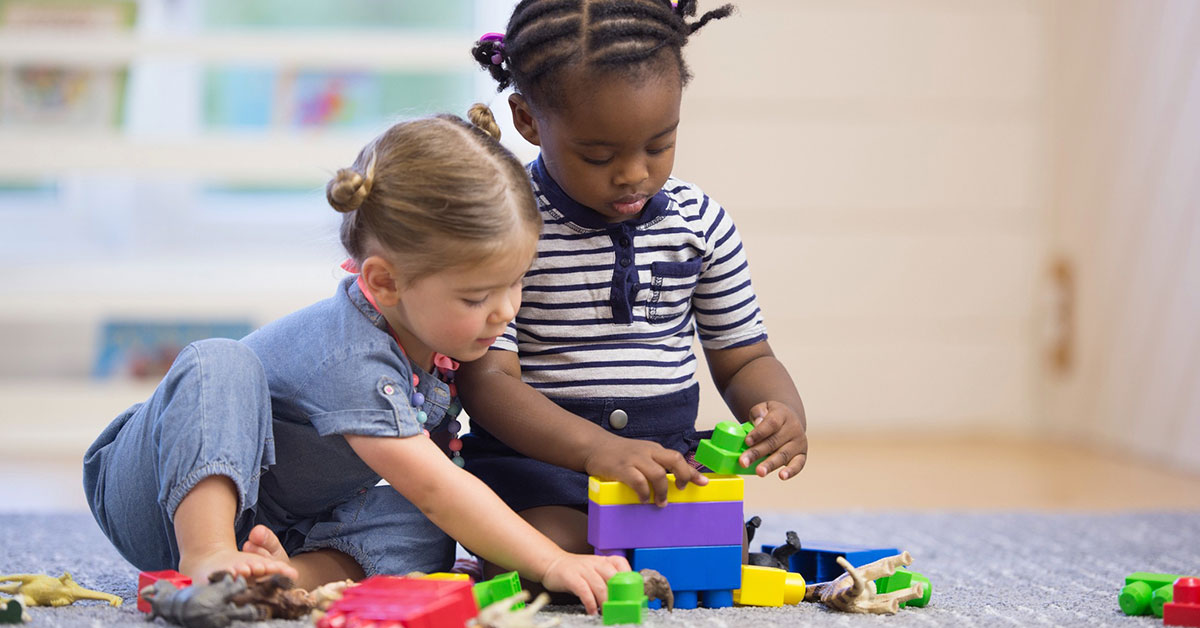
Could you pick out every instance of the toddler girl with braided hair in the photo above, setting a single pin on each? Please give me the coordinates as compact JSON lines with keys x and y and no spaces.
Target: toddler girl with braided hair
{"x":596,"y":372}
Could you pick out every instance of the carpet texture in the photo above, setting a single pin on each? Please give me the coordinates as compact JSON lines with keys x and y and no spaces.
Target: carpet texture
{"x":987,"y":569}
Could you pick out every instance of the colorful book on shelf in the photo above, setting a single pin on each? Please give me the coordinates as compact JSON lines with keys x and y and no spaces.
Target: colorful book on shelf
{"x":146,"y":348}
{"x":38,"y":94}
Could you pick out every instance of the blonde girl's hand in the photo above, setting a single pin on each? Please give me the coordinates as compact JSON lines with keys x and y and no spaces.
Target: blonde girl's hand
{"x":780,"y":435}
{"x":585,"y":576}
{"x":641,"y":465}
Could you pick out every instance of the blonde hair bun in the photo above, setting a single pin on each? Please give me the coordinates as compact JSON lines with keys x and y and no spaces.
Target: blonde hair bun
{"x":348,"y":189}
{"x":482,"y":117}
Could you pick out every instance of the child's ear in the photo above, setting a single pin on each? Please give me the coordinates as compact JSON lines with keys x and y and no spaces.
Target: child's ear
{"x":380,"y":277}
{"x":523,"y":119}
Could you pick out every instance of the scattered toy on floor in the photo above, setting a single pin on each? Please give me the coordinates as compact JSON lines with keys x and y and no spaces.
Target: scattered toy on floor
{"x":768,"y":586}
{"x":505,"y":585}
{"x":903,"y":579}
{"x":1145,"y":593}
{"x":325,"y":595}
{"x":657,"y":588}
{"x":12,"y":611}
{"x":850,"y":591}
{"x":511,"y":612}
{"x":1184,"y":608}
{"x":42,"y":590}
{"x":779,"y":556}
{"x":200,"y":605}
{"x":147,"y":578}
{"x":275,"y":597}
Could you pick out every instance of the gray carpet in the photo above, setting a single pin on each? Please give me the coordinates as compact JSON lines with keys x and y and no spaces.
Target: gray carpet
{"x":987,"y":569}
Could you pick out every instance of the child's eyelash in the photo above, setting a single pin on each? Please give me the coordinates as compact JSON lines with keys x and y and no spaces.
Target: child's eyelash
{"x":474,"y":303}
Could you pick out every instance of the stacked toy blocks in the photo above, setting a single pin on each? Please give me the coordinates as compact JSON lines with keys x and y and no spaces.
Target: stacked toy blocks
{"x":398,"y":602}
{"x":695,"y":541}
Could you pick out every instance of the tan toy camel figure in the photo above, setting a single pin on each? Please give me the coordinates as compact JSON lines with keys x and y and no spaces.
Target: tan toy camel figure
{"x":854,"y":591}
{"x":40,"y":590}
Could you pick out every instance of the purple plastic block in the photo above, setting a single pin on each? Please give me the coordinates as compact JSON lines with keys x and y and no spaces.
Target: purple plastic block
{"x":628,"y":526}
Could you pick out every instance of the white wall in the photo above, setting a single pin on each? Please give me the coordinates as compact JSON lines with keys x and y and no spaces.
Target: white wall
{"x":1127,"y":217}
{"x":886,"y":163}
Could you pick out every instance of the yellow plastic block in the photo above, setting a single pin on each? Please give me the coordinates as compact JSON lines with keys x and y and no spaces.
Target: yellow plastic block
{"x":720,"y":488}
{"x":441,"y":575}
{"x":794,"y":588}
{"x":768,"y":586}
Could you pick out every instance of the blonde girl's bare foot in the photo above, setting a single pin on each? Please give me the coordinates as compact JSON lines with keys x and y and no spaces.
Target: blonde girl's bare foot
{"x":262,"y":541}
{"x":249,"y":564}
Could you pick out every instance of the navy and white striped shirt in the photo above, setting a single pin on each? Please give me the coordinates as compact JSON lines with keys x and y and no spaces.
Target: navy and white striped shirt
{"x":610,"y":309}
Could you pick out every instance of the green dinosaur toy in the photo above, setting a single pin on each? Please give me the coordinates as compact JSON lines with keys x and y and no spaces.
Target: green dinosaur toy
{"x":40,"y":590}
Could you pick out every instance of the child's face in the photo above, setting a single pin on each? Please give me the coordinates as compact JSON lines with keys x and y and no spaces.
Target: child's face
{"x":611,"y":145}
{"x":459,"y":312}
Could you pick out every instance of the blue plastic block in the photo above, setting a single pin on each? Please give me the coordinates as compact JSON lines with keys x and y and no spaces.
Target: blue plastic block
{"x":817,"y":560}
{"x":705,"y":568}
{"x":717,"y":599}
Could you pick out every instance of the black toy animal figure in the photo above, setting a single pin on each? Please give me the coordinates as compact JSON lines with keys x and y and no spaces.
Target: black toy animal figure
{"x":779,"y":557}
{"x":200,"y":606}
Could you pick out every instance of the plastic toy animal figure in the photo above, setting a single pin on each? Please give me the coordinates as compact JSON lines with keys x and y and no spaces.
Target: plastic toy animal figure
{"x":200,"y":605}
{"x":656,"y":587}
{"x":276,"y":597}
{"x":779,"y":557}
{"x":41,"y":590}
{"x":854,"y":591}
{"x":500,"y":613}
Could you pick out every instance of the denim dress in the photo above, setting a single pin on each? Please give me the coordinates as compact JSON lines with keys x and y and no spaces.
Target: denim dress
{"x":269,"y":412}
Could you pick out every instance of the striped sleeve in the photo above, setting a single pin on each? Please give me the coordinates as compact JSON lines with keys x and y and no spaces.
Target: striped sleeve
{"x":507,"y":342}
{"x":725,"y":306}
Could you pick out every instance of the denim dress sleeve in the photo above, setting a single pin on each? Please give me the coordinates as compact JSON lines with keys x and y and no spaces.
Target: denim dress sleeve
{"x":365,"y":392}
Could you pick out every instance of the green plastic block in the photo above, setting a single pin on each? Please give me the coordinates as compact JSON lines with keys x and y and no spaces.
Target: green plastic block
{"x":627,"y":601}
{"x":721,"y":452}
{"x":1161,"y":596}
{"x":1145,"y":592}
{"x":903,"y":579}
{"x":498,"y":588}
{"x":1135,"y":598}
{"x":10,"y":611}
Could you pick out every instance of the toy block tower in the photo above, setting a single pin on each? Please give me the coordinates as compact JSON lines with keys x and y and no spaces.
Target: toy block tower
{"x":695,"y":540}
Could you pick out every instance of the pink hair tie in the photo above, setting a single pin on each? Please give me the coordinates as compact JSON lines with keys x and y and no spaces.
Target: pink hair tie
{"x":498,"y":56}
{"x":350,"y":266}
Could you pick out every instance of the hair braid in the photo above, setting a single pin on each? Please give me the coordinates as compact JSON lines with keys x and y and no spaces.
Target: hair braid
{"x":545,"y":36}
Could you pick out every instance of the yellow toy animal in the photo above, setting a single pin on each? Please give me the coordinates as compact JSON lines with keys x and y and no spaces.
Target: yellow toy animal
{"x":40,"y":590}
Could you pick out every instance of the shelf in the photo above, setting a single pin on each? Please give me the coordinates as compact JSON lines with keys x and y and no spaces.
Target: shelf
{"x":415,"y":51}
{"x":292,"y":157}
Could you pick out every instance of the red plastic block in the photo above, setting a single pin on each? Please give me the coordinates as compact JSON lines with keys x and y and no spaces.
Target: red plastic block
{"x":395,"y":602}
{"x":628,"y":526}
{"x":1184,"y":610}
{"x":147,"y":578}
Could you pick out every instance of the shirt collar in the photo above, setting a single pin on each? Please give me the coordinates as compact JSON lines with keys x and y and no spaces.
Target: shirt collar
{"x":585,"y":216}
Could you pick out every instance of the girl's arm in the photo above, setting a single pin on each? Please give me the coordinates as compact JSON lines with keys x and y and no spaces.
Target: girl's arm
{"x":466,"y":509}
{"x":755,"y":385}
{"x":535,"y":426}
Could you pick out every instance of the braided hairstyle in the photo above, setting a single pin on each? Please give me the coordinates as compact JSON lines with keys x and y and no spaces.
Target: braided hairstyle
{"x":544,"y":37}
